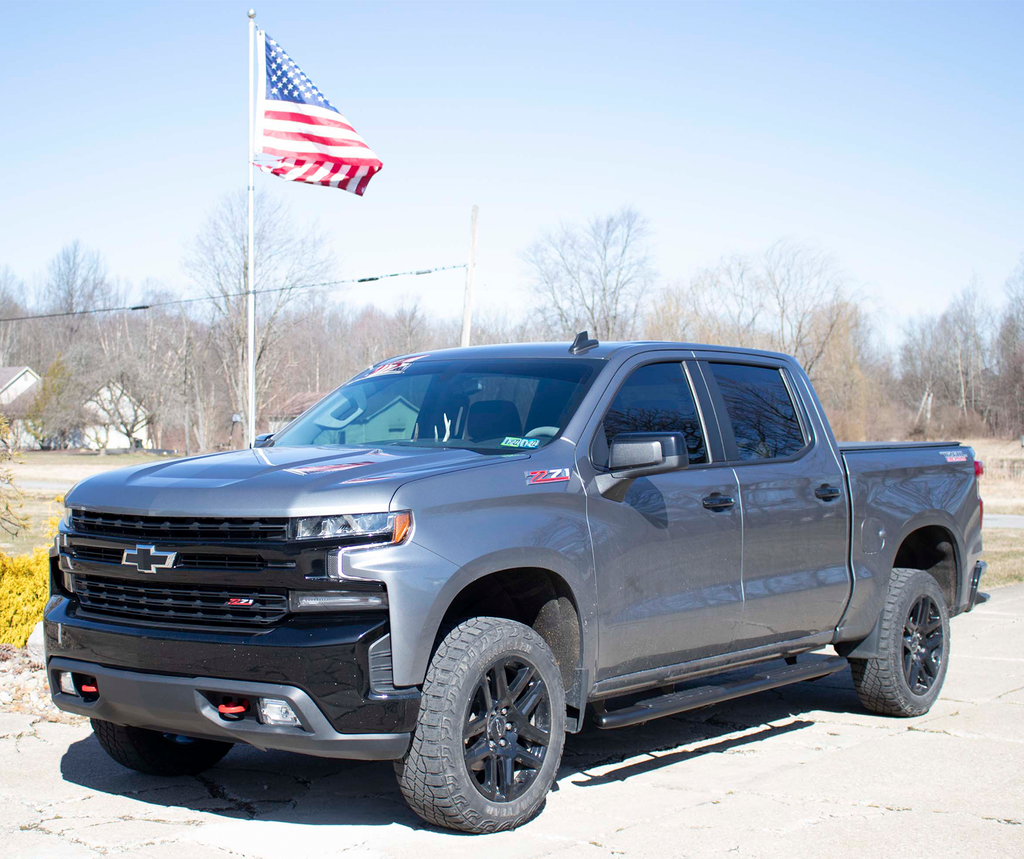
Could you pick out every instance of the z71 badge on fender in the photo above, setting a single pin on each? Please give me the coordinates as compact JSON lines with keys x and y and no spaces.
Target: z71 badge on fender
{"x":551,"y":475}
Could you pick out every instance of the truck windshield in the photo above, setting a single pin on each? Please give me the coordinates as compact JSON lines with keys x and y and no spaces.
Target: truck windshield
{"x":491,"y":406}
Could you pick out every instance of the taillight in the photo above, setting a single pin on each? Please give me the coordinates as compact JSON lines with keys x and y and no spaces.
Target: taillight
{"x":979,"y":468}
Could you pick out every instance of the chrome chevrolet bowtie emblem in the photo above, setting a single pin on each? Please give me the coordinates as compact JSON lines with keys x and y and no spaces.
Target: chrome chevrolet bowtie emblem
{"x":146,"y":559}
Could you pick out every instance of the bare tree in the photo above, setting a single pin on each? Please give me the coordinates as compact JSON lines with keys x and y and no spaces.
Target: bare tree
{"x":789,"y":298}
{"x":11,"y":291}
{"x":12,"y":520}
{"x":286,"y":257}
{"x":1009,"y":356}
{"x":594,"y":276}
{"x":77,"y":280}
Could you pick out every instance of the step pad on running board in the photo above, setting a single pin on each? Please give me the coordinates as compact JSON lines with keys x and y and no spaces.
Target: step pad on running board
{"x":702,"y":696}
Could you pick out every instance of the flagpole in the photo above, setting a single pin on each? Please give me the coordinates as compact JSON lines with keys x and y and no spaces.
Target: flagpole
{"x":250,"y":298}
{"x":467,"y":305}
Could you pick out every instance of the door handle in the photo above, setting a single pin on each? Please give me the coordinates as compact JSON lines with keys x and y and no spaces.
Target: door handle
{"x":718,"y":502}
{"x":827,"y":493}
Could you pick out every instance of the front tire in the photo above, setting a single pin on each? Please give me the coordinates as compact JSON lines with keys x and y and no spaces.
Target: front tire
{"x":156,"y":753}
{"x":913,"y":649}
{"x":490,"y":730}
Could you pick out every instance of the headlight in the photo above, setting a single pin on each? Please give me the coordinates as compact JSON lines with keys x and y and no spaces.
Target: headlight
{"x":364,"y":527}
{"x":66,"y":517}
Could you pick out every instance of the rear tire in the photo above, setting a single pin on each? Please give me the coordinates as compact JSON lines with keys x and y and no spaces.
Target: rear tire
{"x":913,"y":649}
{"x":155,"y":753}
{"x":490,"y":730}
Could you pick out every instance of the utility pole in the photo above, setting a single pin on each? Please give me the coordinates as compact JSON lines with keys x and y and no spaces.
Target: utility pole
{"x":250,"y":278}
{"x":467,"y":307}
{"x":184,"y":384}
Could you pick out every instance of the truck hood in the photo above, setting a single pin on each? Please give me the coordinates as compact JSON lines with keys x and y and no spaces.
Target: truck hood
{"x":273,"y":481}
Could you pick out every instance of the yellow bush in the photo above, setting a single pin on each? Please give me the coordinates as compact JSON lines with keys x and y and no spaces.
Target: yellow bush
{"x":24,"y":589}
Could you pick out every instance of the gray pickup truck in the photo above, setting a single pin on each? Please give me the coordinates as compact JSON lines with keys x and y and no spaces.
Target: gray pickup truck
{"x":455,"y":557}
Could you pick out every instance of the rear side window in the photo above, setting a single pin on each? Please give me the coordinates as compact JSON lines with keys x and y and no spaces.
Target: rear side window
{"x":656,"y":398}
{"x":764,"y":420}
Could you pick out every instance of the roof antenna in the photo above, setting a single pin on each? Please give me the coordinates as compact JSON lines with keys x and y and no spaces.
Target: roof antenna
{"x":582,"y":344}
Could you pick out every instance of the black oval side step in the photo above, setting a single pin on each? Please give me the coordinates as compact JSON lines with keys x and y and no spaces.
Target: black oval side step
{"x":703,"y":696}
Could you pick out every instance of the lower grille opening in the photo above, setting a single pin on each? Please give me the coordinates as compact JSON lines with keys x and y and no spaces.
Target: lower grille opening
{"x":172,"y":602}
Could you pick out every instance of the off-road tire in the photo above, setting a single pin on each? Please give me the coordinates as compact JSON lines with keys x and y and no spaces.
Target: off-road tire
{"x":154,"y":753}
{"x":434,"y":775}
{"x":881,"y":683}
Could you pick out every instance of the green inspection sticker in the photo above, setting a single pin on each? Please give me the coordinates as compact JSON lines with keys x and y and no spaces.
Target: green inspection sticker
{"x":512,"y":441}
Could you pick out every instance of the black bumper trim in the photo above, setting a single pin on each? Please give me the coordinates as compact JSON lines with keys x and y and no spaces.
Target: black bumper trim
{"x":181,"y":705}
{"x":974,"y":598}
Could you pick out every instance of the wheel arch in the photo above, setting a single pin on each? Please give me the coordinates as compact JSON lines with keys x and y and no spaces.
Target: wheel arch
{"x":538,"y":597}
{"x":934,"y":549}
{"x":929,"y":546}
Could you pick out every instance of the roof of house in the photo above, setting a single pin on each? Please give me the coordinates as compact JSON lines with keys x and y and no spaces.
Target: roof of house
{"x":9,"y":374}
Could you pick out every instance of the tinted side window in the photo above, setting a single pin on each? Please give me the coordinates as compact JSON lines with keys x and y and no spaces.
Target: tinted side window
{"x":763,"y":418}
{"x":656,"y":398}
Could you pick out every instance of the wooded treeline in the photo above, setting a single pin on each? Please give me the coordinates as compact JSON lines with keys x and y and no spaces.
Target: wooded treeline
{"x":179,"y":369}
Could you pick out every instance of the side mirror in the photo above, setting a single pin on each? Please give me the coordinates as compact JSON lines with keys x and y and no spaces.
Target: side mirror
{"x":264,"y":439}
{"x":641,"y":454}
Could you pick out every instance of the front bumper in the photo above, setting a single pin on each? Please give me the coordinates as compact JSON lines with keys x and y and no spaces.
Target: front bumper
{"x":322,"y":663}
{"x":185,"y":705}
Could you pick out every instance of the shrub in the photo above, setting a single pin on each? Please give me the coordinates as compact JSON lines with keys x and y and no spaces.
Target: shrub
{"x":24,"y":588}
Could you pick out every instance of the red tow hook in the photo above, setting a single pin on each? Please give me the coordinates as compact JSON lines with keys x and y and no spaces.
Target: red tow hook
{"x":233,"y":711}
{"x":89,"y":689}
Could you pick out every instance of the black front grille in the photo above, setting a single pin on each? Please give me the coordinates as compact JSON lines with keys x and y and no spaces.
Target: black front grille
{"x":186,"y":560}
{"x":202,"y":605}
{"x":171,"y":528}
{"x":95,"y":553}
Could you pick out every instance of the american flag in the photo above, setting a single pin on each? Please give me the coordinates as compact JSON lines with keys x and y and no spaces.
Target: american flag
{"x":302,"y":136}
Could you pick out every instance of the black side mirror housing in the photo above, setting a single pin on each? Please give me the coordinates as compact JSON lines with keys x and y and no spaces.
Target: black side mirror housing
{"x":264,"y":439}
{"x":641,"y":454}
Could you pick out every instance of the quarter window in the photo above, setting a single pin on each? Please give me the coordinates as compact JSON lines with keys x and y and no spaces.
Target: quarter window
{"x":764,"y":420}
{"x":655,"y":398}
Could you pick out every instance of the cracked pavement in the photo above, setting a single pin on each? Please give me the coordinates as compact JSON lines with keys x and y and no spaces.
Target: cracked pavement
{"x":783,"y":773}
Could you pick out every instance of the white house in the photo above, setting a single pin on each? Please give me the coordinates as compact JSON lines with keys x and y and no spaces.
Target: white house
{"x":18,"y":389}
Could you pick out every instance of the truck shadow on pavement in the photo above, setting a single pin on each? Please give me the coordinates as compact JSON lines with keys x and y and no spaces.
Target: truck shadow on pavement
{"x":285,"y":787}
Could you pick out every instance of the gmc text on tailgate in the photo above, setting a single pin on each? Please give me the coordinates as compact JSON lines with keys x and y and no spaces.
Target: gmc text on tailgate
{"x":453,"y":558}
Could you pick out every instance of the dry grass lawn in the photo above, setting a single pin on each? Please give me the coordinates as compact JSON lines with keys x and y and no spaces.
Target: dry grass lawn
{"x":1002,"y":487}
{"x":1004,"y":551}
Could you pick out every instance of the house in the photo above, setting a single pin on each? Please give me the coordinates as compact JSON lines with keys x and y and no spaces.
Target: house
{"x":18,"y":389}
{"x":14,"y":381}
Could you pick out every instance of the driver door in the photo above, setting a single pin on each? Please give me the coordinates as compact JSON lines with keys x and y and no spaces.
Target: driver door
{"x":667,"y":565}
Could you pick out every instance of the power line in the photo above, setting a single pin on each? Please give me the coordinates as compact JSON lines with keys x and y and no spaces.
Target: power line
{"x":181,"y":301}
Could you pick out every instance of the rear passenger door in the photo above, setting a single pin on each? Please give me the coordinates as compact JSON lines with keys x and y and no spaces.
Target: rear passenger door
{"x":792,"y":491}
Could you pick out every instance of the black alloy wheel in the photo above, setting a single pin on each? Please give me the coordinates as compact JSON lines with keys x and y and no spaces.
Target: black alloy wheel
{"x":507,"y":729}
{"x":923,"y":645}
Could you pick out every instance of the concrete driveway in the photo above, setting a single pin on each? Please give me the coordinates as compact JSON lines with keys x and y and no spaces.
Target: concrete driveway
{"x":794,"y":772}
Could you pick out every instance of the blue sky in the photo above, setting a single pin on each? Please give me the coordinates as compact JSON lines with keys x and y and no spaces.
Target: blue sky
{"x":888,"y":134}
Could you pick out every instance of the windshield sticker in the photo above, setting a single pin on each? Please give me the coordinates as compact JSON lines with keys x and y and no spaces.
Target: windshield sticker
{"x":954,"y":455}
{"x":323,"y":469}
{"x":513,"y":441}
{"x":551,"y":475}
{"x":398,"y":366}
